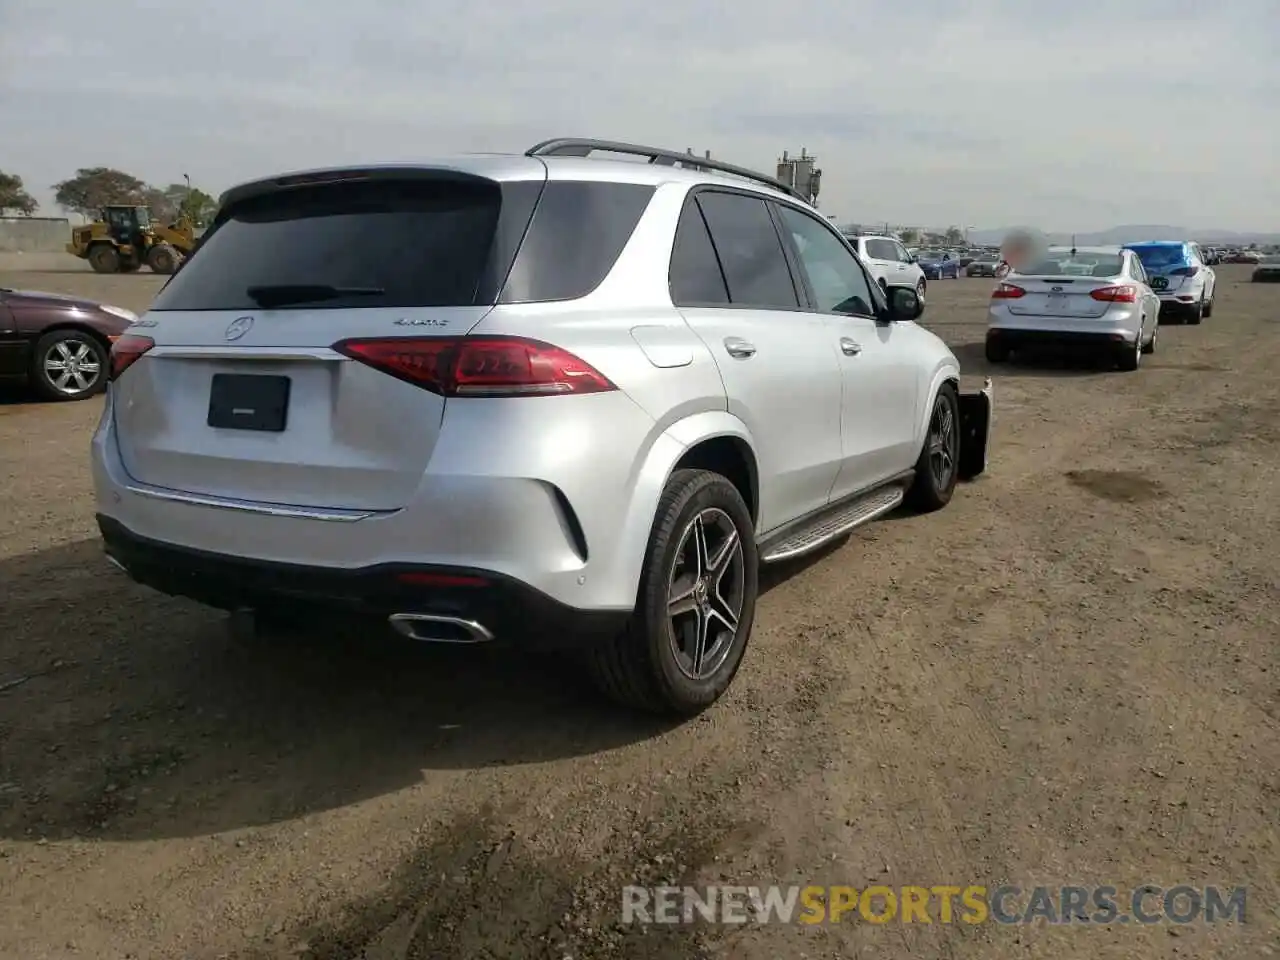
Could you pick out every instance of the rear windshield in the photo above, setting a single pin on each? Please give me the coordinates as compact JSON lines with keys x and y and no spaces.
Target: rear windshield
{"x":1153,"y":258}
{"x":400,"y":243}
{"x":1066,"y":264}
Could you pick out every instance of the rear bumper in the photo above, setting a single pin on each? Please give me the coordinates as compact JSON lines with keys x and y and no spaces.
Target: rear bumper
{"x":1013,"y":339}
{"x":511,"y":611}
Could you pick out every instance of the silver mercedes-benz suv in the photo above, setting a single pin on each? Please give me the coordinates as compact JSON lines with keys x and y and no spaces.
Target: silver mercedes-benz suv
{"x":550,"y":399}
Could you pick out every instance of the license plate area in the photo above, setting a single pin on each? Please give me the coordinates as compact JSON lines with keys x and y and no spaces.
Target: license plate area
{"x":1159,"y":283}
{"x":1057,"y":302}
{"x":243,"y":401}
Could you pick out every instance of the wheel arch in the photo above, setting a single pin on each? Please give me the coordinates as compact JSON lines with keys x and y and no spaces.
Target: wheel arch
{"x":711,"y":440}
{"x":78,"y":327}
{"x":947,"y":371}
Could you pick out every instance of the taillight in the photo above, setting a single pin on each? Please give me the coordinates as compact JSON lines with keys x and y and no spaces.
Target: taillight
{"x":125,"y":351}
{"x":479,"y":366}
{"x":1184,"y":272}
{"x":1007,"y":291}
{"x":1122,"y":294}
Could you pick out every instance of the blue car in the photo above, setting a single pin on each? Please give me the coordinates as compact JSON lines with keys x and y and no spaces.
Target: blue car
{"x":938,"y":265}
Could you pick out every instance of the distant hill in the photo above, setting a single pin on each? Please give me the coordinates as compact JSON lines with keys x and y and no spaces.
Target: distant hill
{"x":1133,"y":233}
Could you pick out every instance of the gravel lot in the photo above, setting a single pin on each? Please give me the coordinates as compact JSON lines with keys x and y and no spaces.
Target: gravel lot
{"x":1071,"y":675}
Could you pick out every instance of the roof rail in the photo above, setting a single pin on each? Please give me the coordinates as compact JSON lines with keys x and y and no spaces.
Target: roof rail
{"x":576,"y":147}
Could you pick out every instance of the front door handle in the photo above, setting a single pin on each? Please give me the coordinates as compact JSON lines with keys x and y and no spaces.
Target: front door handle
{"x":738,"y":348}
{"x":849,"y":348}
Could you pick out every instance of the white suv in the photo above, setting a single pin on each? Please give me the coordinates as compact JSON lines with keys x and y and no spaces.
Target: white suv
{"x":546,"y":399}
{"x":890,"y":263}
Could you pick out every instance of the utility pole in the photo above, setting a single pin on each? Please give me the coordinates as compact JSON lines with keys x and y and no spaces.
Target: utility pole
{"x":801,"y":174}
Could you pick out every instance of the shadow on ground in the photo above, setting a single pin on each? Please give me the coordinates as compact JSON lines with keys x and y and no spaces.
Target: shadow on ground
{"x":129,"y":715}
{"x":1041,"y":363}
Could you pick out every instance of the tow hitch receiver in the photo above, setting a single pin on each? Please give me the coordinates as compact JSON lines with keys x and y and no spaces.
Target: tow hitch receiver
{"x":975,"y":431}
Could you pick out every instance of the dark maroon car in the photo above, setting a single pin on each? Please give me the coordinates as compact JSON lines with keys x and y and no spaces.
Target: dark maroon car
{"x":59,"y":345}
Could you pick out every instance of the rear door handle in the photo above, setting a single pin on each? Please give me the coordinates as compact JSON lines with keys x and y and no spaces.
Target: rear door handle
{"x":738,"y":348}
{"x":849,"y":348}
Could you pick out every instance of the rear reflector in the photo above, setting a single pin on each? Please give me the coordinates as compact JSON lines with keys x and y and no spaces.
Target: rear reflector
{"x":125,"y":350}
{"x":479,"y":366}
{"x":1007,"y":291}
{"x":1120,"y":294}
{"x":442,"y":580}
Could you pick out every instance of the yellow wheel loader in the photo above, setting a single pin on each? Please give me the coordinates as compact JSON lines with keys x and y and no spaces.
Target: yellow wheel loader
{"x":123,"y":239}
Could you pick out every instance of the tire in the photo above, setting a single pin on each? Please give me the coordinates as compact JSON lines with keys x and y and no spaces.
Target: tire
{"x":1208,"y":306}
{"x":163,"y":258}
{"x":996,"y":353}
{"x":921,"y":287}
{"x":1196,"y":314}
{"x":933,"y":488}
{"x":104,"y":258}
{"x":60,"y":350}
{"x":644,"y":666}
{"x":1150,"y":348}
{"x":1129,"y":358}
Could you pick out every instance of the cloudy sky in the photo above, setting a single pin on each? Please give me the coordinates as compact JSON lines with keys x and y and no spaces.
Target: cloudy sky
{"x":1072,"y":115}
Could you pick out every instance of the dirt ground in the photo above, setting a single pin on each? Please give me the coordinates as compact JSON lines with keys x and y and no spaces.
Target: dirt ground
{"x":1069,"y":676}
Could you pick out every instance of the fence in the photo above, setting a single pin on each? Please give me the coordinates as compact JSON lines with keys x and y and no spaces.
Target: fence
{"x":34,"y":234}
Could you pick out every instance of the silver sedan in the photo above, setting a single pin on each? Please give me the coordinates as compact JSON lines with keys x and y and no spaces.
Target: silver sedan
{"x":1095,"y":298}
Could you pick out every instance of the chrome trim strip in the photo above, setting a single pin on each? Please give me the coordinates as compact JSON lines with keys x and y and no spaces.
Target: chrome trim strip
{"x":322,"y":354}
{"x":248,"y":506}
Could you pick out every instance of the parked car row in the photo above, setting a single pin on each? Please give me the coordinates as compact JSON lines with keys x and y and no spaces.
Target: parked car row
{"x":1110,"y":301}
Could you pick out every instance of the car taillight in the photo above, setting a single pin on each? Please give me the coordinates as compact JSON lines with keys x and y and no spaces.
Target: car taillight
{"x":1184,"y":272}
{"x":482,"y":366}
{"x":125,"y":351}
{"x":1122,"y":294}
{"x":1007,"y":291}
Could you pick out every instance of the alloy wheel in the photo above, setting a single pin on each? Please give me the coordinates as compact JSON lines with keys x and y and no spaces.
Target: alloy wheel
{"x":72,"y":367}
{"x":705,"y":593}
{"x":944,"y":441}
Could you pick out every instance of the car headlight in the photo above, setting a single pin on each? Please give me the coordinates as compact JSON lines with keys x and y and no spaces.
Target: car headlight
{"x":127,"y":315}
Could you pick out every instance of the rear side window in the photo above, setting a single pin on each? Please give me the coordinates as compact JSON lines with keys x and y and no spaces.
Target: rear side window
{"x":696,"y":277}
{"x":750,"y":251}
{"x":577,"y":233}
{"x":395,"y":242}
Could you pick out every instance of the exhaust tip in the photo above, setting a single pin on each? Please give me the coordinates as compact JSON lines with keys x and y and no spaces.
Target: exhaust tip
{"x":437,"y":628}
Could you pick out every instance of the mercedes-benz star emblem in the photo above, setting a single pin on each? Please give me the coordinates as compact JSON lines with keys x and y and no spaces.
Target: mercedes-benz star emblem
{"x":238,"y":328}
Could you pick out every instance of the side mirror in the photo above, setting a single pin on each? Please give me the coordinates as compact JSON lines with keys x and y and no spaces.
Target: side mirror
{"x":904,"y":305}
{"x":1002,"y":270}
{"x":911,"y":258}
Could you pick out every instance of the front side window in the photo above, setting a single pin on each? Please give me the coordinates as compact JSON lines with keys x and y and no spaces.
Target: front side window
{"x":836,"y":278}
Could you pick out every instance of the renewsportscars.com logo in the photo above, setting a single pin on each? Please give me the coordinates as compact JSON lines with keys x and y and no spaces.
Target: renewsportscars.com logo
{"x":972,"y":904}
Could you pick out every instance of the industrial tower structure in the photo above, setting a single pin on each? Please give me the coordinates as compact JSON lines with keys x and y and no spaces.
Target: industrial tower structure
{"x":801,"y":174}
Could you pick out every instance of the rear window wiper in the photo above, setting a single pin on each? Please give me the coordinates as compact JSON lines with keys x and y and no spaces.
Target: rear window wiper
{"x":281,"y":294}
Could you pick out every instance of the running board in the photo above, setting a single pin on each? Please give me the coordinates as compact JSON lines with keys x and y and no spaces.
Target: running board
{"x":834,"y":522}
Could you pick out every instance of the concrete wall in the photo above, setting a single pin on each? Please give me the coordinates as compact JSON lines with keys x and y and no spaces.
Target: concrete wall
{"x":34,"y":234}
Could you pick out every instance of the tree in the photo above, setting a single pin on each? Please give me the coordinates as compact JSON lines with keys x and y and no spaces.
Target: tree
{"x":954,"y":236}
{"x":14,"y":197}
{"x":910,"y":236}
{"x":176,"y":200}
{"x":93,"y":188}
{"x":198,"y":207}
